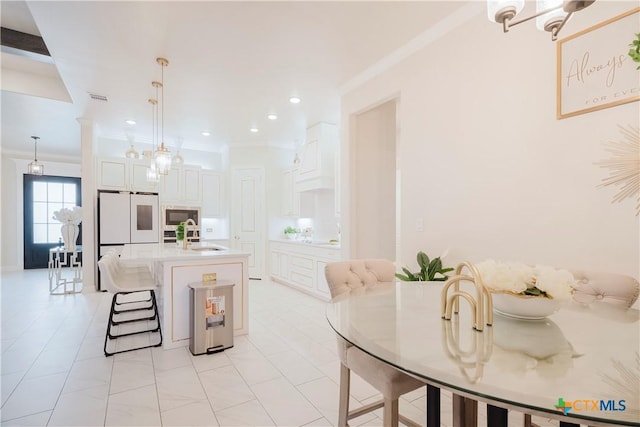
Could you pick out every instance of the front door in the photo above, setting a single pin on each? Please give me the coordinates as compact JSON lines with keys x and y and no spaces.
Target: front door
{"x":43,"y":195}
{"x":247,"y":216}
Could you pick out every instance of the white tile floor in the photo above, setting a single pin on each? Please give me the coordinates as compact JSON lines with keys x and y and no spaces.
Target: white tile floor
{"x":284,"y":373}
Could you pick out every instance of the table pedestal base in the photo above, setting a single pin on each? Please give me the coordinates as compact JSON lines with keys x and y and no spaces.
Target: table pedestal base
{"x":60,"y":258}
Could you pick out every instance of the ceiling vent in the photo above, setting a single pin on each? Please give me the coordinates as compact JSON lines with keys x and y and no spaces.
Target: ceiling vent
{"x":98,"y":97}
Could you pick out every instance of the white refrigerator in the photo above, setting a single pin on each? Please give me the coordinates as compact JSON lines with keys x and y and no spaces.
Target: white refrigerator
{"x":126,"y":218}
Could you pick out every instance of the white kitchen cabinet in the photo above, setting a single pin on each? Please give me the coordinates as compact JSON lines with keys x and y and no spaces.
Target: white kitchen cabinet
{"x":321,"y":280}
{"x":122,"y":174}
{"x":112,"y":174}
{"x":290,"y":197}
{"x":138,"y":177}
{"x":301,"y":266}
{"x":316,"y":171}
{"x":212,"y":194}
{"x":181,"y":186}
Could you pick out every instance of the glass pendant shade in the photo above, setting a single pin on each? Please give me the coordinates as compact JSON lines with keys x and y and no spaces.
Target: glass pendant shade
{"x":152,"y":173}
{"x":163,"y":160}
{"x":36,"y":168}
{"x":495,"y":8}
{"x":132,"y":153}
{"x":554,"y":18}
{"x":178,"y":160}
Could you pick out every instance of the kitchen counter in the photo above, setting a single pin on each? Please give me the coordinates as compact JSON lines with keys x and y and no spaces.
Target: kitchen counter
{"x":315,"y":243}
{"x":175,"y":268}
{"x":149,"y":252}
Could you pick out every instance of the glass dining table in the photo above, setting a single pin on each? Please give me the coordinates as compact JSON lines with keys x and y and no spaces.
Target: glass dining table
{"x":580,"y":365}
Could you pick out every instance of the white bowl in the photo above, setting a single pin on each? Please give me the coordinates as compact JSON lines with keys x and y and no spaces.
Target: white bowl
{"x":523,"y":306}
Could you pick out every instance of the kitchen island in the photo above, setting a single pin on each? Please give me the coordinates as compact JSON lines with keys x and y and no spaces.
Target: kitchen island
{"x":174,"y":268}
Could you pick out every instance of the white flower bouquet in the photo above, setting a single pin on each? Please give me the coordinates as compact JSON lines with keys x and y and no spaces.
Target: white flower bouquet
{"x":521,"y":279}
{"x":69,"y":216}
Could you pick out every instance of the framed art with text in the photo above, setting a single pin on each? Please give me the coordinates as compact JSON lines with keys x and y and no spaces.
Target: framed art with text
{"x":594,"y":70}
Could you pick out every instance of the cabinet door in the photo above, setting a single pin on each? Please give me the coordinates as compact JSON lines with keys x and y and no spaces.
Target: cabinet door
{"x":284,"y":265}
{"x":170,"y":185}
{"x":275,"y":264}
{"x":321,"y":280}
{"x":139,"y":177}
{"x":211,"y":195}
{"x":290,"y":197}
{"x":191,"y":185}
{"x":310,"y":163}
{"x":112,"y":174}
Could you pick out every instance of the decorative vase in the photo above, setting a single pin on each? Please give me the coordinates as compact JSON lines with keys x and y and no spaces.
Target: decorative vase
{"x":523,"y":306}
{"x":70,"y":233}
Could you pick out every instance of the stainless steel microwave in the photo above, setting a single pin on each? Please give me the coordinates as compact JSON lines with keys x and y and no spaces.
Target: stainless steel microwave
{"x":174,"y":215}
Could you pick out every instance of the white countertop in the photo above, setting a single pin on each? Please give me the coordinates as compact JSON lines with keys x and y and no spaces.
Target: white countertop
{"x":147,"y":252}
{"x":314,"y":243}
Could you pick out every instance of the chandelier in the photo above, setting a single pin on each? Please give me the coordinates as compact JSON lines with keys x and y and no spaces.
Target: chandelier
{"x":162,"y":155}
{"x":551,"y":15}
{"x":35,"y":167}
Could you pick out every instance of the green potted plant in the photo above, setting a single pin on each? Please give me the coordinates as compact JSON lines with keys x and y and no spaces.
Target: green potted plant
{"x":291,"y":233}
{"x":634,"y":52}
{"x":180,"y":233}
{"x":430,"y":270}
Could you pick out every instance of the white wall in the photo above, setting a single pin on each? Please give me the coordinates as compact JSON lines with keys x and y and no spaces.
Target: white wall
{"x":375,"y":174}
{"x":486,"y":164}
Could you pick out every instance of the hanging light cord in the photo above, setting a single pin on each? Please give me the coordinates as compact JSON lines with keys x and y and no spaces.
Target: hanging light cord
{"x":35,"y":150}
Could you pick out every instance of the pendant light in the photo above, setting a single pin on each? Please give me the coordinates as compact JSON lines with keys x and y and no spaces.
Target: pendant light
{"x":131,"y":153}
{"x":152,"y":172}
{"x":35,"y":167}
{"x":162,"y":154}
{"x":178,"y":160}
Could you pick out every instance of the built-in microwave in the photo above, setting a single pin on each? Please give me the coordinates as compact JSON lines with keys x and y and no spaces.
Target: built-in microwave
{"x":174,"y":215}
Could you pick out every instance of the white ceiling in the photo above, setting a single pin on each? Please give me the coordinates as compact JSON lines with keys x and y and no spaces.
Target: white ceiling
{"x":230,"y":64}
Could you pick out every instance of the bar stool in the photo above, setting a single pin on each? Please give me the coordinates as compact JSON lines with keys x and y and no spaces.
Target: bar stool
{"x":133,"y":303}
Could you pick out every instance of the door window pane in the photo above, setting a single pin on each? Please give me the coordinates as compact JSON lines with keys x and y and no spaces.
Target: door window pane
{"x":40,"y":212}
{"x":69,"y":194}
{"x":39,"y":191}
{"x":54,"y":234}
{"x":52,"y":207}
{"x":54,"y":191}
{"x":40,"y":233}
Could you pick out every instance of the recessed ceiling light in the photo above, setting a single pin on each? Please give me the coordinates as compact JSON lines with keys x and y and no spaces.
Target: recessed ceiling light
{"x":254,"y":129}
{"x":130,"y":122}
{"x":206,"y":133}
{"x":294,"y":100}
{"x":272,"y":116}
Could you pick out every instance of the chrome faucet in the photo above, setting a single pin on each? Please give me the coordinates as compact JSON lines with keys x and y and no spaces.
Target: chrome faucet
{"x":185,"y":241}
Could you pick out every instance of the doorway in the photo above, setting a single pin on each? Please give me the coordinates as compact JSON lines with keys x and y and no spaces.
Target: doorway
{"x":248,"y":216}
{"x":43,"y":195}
{"x":374,"y":190}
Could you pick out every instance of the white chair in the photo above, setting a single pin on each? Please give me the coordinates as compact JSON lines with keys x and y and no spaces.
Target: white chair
{"x":133,"y":302}
{"x":358,"y":276}
{"x":615,"y":289}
